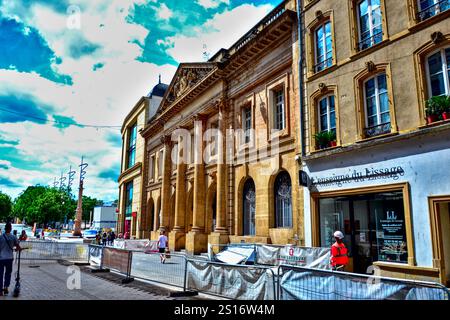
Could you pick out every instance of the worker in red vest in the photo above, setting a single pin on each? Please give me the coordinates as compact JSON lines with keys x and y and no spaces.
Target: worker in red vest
{"x":339,"y":253}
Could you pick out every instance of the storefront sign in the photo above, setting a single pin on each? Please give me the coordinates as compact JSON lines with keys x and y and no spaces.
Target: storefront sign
{"x":367,"y":174}
{"x":392,"y":242}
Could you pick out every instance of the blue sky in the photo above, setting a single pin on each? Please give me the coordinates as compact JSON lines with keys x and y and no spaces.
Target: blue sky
{"x":66,"y":65}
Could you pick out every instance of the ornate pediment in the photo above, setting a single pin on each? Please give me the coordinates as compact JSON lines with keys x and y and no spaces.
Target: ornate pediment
{"x":187,"y":77}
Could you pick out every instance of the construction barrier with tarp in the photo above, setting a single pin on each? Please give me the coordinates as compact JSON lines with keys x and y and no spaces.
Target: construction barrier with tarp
{"x":137,"y":245}
{"x":298,"y":283}
{"x":271,"y":255}
{"x":257,"y":282}
{"x":231,"y":281}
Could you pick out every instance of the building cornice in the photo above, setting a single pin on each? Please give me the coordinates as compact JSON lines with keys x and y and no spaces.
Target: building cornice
{"x":137,"y":168}
{"x":142,"y":103}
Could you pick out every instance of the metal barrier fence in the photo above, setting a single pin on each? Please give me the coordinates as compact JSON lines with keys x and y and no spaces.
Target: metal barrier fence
{"x":297,"y":283}
{"x":49,"y":250}
{"x":231,"y":281}
{"x":148,"y":266}
{"x":284,"y":282}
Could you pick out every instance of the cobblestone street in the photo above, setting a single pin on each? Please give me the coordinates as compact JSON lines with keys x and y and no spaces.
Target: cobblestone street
{"x":49,"y":282}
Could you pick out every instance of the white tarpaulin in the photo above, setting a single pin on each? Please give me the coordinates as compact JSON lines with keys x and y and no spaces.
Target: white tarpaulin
{"x":314,"y":285}
{"x":234,"y":282}
{"x":137,"y":245}
{"x":235,"y":255}
{"x":298,"y":256}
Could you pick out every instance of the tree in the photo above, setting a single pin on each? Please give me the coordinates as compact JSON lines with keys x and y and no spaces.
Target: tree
{"x":24,"y":203}
{"x":43,"y":204}
{"x":5,"y":206}
{"x":88,"y":205}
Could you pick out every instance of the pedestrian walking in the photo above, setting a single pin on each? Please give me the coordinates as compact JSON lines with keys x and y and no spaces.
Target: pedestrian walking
{"x":23,"y":236}
{"x":339,"y":253}
{"x":113,"y":237}
{"x":104,"y":238}
{"x":108,"y":240}
{"x":162,"y":244}
{"x":7,"y":244}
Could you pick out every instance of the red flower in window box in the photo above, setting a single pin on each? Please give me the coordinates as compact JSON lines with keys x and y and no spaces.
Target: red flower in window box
{"x":446,"y":115}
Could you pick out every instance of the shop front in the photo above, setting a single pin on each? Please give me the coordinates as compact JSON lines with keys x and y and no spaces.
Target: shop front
{"x":391,"y":201}
{"x":373,"y":221}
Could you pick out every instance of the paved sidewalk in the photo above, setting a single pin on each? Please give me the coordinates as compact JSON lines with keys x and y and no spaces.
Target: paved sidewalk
{"x":49,"y":282}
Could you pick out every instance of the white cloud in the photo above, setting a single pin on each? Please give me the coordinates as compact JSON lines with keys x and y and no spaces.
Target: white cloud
{"x":211,"y":4}
{"x":164,"y":12}
{"x":102,"y":97}
{"x":222,"y":31}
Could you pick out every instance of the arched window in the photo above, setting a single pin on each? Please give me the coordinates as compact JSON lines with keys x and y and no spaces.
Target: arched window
{"x":249,"y":206}
{"x":283,"y":201}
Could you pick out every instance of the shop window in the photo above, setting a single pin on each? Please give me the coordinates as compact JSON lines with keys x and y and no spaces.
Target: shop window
{"x":378,"y":120}
{"x":323,"y":47}
{"x":249,"y":206}
{"x":438,"y":72}
{"x":374,"y":226}
{"x":283,"y":201}
{"x":131,"y":150}
{"x":430,"y":8}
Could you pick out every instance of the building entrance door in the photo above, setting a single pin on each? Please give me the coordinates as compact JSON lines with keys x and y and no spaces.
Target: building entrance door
{"x":373,"y":227}
{"x":440,"y":231}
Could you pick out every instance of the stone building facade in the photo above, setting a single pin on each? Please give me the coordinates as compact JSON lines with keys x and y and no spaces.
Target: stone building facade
{"x":370,"y":67}
{"x":129,"y":219}
{"x":233,"y":122}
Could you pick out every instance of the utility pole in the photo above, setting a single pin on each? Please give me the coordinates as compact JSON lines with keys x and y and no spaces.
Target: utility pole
{"x":79,"y":214}
{"x":71,"y":174}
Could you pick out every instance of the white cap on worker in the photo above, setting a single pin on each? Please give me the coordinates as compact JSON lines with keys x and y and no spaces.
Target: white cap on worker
{"x":339,"y":234}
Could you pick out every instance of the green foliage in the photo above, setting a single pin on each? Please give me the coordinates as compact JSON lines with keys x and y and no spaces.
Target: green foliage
{"x":43,"y":204}
{"x":324,"y":138}
{"x":437,"y":105}
{"x":5,"y":206}
{"x":88,"y":205}
{"x":331,"y":135}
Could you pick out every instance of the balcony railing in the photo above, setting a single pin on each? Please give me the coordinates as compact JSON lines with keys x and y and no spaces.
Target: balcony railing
{"x":370,"y":41}
{"x":377,"y":130}
{"x":433,"y":10}
{"x":323,"y":65}
{"x":266,"y":21}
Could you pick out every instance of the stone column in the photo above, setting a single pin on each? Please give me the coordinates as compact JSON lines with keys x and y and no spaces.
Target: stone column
{"x":166,"y":186}
{"x":220,"y":234}
{"x":177,"y":237}
{"x":196,"y":240}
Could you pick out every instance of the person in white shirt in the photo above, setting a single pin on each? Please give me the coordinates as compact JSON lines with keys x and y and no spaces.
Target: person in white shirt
{"x":162,"y":244}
